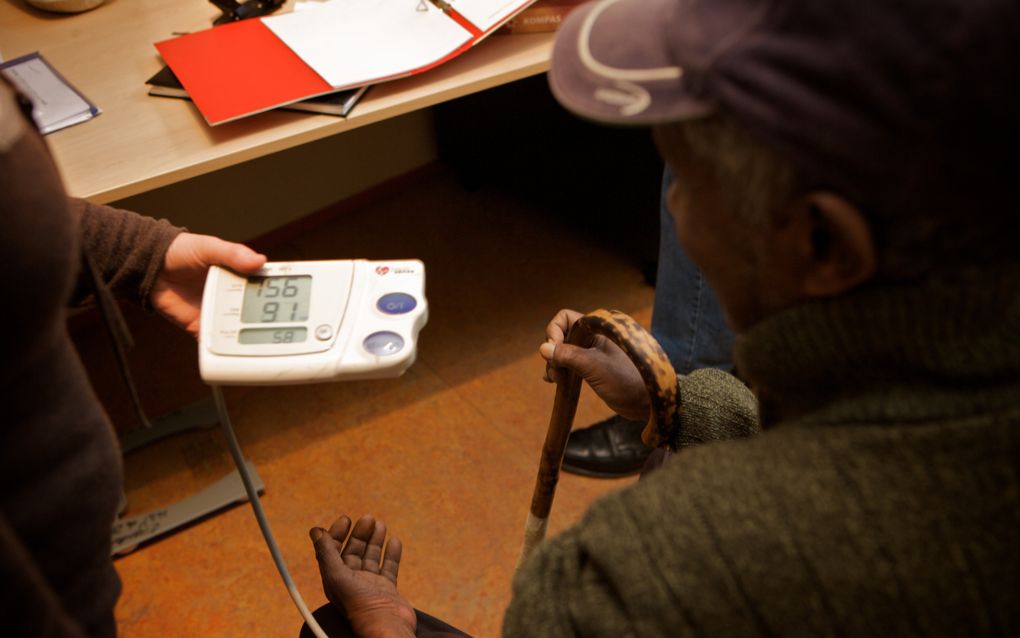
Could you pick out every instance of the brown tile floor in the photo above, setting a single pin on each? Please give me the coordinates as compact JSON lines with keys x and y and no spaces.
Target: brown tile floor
{"x":446,"y":455}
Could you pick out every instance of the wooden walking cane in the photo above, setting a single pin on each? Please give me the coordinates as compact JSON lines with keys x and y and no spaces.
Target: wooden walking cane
{"x":660,"y":380}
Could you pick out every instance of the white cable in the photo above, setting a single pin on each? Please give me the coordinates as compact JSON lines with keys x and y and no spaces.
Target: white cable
{"x":260,"y":515}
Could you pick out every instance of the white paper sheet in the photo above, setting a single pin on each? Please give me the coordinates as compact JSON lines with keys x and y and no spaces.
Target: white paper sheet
{"x":354,"y":42}
{"x":486,"y":14}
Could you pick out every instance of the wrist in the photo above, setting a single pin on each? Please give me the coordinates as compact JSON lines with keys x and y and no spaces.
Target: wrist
{"x":387,"y":629}
{"x":384,"y":623}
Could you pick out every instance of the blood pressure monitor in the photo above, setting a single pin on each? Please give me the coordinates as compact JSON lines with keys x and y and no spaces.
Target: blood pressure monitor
{"x":301,"y":322}
{"x":308,"y":321}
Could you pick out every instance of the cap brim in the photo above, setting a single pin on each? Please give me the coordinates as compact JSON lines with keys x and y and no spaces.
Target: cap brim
{"x":612,"y":63}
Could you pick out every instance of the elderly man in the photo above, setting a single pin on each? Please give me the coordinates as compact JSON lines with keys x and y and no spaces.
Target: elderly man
{"x":844,"y":181}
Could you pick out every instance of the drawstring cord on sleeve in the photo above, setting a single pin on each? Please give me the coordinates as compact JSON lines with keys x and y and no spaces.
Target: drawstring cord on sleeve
{"x":117,"y":329}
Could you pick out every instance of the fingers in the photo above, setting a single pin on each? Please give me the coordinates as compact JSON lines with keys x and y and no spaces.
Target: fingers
{"x":363,"y":550}
{"x":327,"y":552}
{"x":357,"y":543}
{"x":373,"y":549}
{"x":360,"y":579}
{"x":190,"y":251}
{"x":240,"y":258}
{"x":391,"y":559}
{"x":548,"y":352}
{"x":552,"y":353}
{"x":237,"y":257}
{"x":340,"y":528}
{"x":583,"y":361}
{"x":556,"y":334}
{"x":556,"y":330}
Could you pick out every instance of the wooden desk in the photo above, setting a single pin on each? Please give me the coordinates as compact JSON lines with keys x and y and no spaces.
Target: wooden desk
{"x":142,"y":142}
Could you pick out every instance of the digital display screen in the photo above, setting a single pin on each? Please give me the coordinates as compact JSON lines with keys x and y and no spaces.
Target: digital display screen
{"x":272,"y":335}
{"x":276,"y":299}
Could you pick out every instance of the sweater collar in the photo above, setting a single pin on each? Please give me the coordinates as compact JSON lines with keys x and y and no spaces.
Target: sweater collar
{"x":947,"y":347}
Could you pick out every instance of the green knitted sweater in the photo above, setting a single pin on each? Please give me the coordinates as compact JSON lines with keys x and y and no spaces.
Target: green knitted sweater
{"x":882,"y":498}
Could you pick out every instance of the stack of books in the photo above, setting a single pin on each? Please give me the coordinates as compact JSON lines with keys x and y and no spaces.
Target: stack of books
{"x":542,"y":17}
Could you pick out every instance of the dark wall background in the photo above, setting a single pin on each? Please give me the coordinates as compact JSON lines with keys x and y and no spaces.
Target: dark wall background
{"x":603,"y":181}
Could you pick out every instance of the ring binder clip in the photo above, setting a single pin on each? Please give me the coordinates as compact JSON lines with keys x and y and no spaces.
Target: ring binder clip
{"x":234,"y":10}
{"x":443,"y":6}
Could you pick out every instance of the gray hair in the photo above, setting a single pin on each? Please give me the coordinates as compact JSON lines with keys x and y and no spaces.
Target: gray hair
{"x":753,"y":182}
{"x":756,"y":184}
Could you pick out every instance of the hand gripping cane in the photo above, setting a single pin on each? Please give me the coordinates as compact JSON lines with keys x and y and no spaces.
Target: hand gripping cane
{"x":660,"y":380}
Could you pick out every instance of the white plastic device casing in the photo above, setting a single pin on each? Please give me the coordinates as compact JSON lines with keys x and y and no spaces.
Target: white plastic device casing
{"x":344,"y":310}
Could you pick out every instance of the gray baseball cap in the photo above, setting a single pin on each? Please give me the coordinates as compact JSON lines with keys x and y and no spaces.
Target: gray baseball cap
{"x":890,"y":102}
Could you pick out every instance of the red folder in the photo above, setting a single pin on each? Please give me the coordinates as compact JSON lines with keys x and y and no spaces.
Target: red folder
{"x":242,"y":68}
{"x":239,"y":69}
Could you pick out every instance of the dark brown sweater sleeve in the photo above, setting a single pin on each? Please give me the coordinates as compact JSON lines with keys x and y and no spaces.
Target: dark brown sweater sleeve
{"x":127,"y":249}
{"x":30,"y":607}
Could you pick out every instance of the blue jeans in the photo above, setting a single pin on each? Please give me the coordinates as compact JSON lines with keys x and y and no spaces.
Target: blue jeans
{"x":687,"y":319}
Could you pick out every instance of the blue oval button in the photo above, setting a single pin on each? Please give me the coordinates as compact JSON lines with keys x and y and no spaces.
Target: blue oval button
{"x":396,"y":303}
{"x":383,"y":344}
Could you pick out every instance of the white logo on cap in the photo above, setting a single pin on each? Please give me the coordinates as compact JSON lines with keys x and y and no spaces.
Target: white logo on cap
{"x":631,"y":97}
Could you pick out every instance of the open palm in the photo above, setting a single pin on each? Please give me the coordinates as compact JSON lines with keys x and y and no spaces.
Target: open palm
{"x":360,"y":577}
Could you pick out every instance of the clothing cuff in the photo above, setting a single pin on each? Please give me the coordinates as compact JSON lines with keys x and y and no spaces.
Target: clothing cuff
{"x":713,"y":406}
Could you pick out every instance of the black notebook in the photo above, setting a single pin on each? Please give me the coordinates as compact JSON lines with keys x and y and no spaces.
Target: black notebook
{"x":165,"y":84}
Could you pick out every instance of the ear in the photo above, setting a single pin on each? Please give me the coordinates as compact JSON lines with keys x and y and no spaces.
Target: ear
{"x":839,"y":247}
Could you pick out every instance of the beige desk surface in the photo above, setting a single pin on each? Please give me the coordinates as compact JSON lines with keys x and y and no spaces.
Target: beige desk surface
{"x":141,"y":142}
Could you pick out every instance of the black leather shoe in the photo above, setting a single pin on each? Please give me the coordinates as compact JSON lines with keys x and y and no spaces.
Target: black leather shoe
{"x":608,"y":449}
